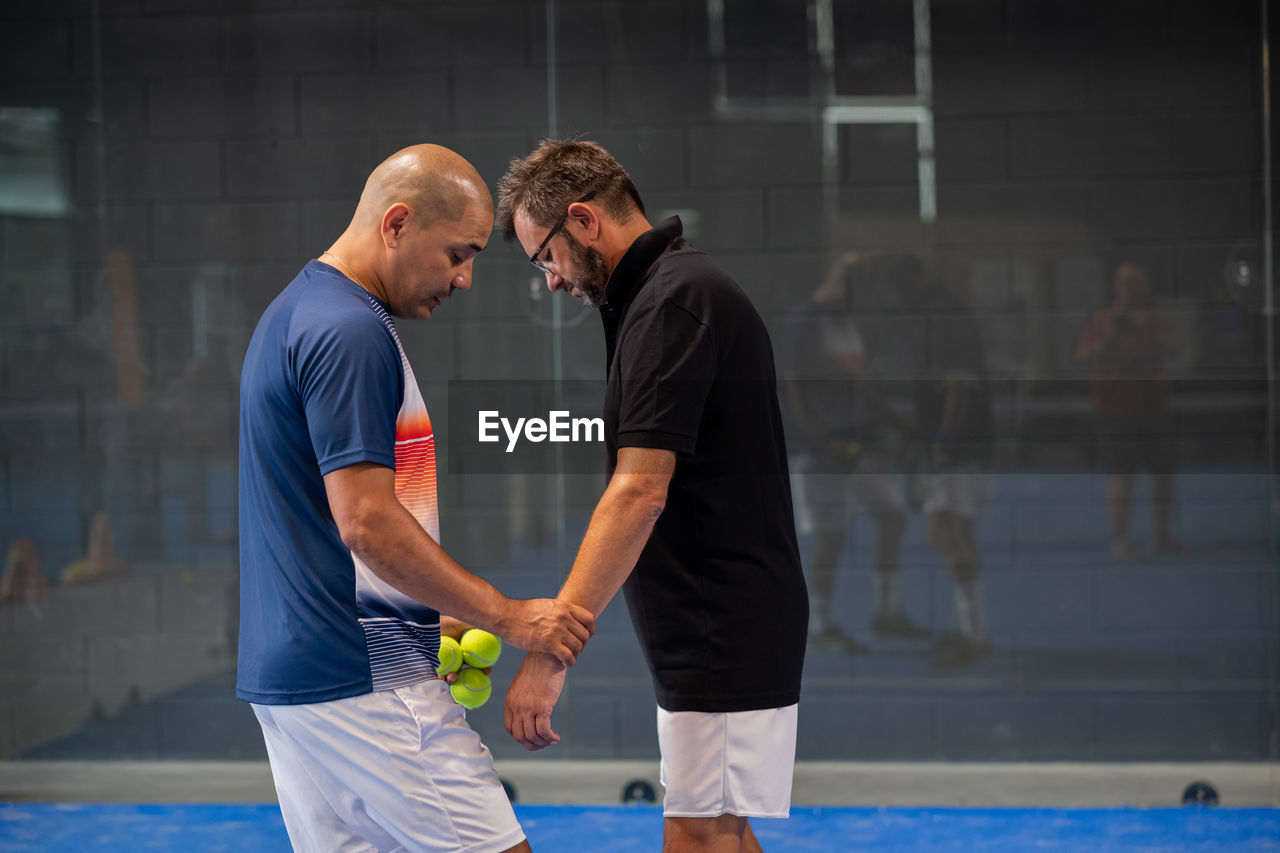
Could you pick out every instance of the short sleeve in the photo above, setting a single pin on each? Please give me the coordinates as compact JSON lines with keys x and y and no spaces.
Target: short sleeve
{"x":668,"y":366}
{"x":351,"y":383}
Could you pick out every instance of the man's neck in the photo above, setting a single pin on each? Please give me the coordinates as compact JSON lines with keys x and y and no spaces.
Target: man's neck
{"x":348,"y":257}
{"x":625,"y":235}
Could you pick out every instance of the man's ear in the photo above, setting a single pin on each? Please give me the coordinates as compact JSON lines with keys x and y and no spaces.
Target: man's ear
{"x":588,"y":218}
{"x":394,"y":222}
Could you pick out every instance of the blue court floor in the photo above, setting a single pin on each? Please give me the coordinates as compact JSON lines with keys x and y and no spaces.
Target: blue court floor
{"x":80,"y":828}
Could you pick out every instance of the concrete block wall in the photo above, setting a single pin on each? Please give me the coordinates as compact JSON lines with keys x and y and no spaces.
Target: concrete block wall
{"x":91,"y":652}
{"x":215,"y":147}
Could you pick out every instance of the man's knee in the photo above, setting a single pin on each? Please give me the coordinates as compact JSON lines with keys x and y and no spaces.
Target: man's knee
{"x":942,"y":531}
{"x":891,"y":522}
{"x":965,"y":571}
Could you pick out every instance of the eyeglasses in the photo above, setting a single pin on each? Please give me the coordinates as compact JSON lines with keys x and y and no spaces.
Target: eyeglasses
{"x":555,"y":229}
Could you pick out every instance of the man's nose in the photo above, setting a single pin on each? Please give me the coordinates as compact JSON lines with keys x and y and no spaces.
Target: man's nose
{"x":462,"y":281}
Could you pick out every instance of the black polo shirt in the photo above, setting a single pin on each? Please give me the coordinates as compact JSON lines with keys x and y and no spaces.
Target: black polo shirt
{"x":717,"y":597}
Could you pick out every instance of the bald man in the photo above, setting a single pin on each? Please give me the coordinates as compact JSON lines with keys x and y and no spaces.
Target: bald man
{"x":343,"y":579}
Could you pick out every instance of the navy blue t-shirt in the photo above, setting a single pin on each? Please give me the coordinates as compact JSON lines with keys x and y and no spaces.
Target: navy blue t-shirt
{"x":325,"y":385}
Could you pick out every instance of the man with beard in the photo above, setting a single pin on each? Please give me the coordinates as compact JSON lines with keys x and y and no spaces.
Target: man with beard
{"x":696,"y":519}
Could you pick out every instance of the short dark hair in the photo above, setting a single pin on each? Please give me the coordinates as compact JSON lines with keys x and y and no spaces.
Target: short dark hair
{"x":555,"y":175}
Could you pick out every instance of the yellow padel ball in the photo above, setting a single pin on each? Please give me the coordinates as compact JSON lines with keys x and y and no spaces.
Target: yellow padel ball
{"x":480,"y":648}
{"x":472,"y":688}
{"x":450,"y":656}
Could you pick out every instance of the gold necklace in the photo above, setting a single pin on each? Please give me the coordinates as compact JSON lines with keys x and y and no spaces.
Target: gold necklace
{"x":346,"y":269}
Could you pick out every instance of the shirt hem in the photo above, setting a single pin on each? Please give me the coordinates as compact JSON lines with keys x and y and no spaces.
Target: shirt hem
{"x":353,"y":457}
{"x":751,"y":813}
{"x":720,"y":704}
{"x":657,"y":440}
{"x":309,"y":697}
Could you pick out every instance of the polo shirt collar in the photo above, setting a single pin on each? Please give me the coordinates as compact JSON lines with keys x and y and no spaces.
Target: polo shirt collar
{"x":629,"y":274}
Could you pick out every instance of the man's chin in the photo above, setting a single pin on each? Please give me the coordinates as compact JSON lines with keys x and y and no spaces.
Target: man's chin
{"x":591,"y":299}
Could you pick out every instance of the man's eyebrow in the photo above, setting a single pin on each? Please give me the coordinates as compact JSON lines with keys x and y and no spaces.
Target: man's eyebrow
{"x":476,"y":247}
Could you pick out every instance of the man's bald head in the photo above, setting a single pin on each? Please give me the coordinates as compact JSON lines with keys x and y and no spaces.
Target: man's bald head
{"x":433,"y":181}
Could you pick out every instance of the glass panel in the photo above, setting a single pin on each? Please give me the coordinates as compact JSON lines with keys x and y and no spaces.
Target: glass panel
{"x":1013,"y":258}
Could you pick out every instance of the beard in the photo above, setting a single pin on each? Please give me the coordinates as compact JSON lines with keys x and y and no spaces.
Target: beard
{"x":593,"y":273}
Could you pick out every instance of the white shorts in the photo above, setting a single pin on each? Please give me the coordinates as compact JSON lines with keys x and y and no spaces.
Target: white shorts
{"x":738,"y":763}
{"x":962,"y":491}
{"x":393,"y":770}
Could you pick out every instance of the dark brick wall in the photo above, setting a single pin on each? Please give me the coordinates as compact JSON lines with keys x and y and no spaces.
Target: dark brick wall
{"x":216,"y":146}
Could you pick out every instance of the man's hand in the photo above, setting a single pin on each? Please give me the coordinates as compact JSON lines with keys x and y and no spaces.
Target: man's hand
{"x":455,"y":628}
{"x":531,"y":699}
{"x":450,"y":627}
{"x":559,"y":628}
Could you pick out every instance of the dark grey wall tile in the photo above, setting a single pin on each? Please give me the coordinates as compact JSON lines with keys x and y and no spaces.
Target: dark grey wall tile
{"x":1225,"y":727}
{"x":1009,"y":83}
{"x":273,"y":43}
{"x":971,"y":150}
{"x":752,"y":155}
{"x":138,"y":46}
{"x":445,"y":35}
{"x":36,"y":49}
{"x":614,"y":32}
{"x":298,"y":169}
{"x":224,"y":231}
{"x":834,"y":727}
{"x":1079,"y":147}
{"x":1038,"y":729}
{"x":1189,"y":599}
{"x":645,"y":93}
{"x":244,"y":105}
{"x":139,"y":170}
{"x":350,"y":104}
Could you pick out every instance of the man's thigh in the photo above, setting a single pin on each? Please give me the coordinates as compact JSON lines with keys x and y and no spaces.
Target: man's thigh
{"x":399,"y":768}
{"x":738,"y":763}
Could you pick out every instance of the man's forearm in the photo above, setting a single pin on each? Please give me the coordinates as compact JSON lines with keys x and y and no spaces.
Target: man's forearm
{"x":398,"y":550}
{"x":390,"y":541}
{"x":619,"y":529}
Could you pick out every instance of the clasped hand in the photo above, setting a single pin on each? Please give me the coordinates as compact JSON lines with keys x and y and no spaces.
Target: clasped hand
{"x":530,"y":700}
{"x":549,"y":625}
